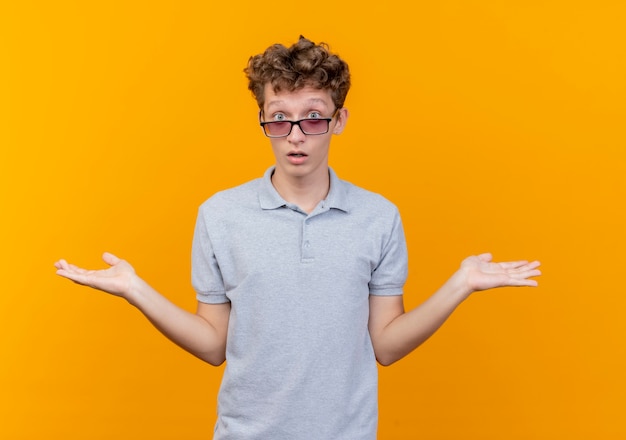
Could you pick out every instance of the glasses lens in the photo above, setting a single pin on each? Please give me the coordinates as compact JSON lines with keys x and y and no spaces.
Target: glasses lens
{"x":314,"y":126}
{"x":277,"y":128}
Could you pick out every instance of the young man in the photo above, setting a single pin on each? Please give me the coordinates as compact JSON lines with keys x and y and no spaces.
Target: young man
{"x":298,"y":274}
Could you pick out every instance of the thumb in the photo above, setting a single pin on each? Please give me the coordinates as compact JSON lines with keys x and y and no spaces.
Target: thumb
{"x":486,"y":257}
{"x":110,"y":259}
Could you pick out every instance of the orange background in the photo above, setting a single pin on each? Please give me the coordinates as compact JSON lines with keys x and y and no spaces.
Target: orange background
{"x":494,"y":126}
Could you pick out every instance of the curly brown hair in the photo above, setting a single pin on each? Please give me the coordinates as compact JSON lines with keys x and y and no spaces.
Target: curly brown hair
{"x":303,"y":64}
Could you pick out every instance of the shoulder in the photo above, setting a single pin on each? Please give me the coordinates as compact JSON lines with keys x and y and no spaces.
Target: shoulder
{"x":362,"y":194}
{"x":361,"y":200}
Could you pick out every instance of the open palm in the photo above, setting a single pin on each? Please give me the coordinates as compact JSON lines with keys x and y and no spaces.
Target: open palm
{"x":483,"y":274}
{"x":116,"y":279}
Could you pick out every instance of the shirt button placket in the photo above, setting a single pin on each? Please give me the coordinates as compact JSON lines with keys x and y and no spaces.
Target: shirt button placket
{"x":307,"y":252}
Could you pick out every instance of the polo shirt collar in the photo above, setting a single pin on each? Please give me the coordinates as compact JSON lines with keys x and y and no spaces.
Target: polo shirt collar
{"x":270,"y":199}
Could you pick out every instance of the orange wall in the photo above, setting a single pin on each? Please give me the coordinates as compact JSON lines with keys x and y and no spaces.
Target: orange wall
{"x":494,"y":126}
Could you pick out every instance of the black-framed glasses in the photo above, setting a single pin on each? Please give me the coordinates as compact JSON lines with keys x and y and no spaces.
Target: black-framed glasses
{"x":313,"y":126}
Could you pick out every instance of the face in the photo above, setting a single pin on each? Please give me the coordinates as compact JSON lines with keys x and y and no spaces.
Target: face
{"x":299,"y":155}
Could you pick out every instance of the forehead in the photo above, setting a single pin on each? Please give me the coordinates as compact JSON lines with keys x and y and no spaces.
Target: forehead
{"x":297,"y":99}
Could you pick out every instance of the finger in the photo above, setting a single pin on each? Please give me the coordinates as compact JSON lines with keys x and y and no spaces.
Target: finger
{"x":535,"y":264}
{"x":486,"y":257}
{"x":520,"y":265}
{"x":75,"y":277}
{"x":525,"y":283}
{"x":528,"y":270}
{"x":525,"y":274}
{"x":530,"y":282}
{"x":65,"y":269}
{"x":509,"y":265}
{"x":77,"y":269}
{"x":533,"y":273}
{"x":110,"y":259}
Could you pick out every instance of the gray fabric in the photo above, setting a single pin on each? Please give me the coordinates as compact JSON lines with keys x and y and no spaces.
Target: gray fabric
{"x":300,"y":363}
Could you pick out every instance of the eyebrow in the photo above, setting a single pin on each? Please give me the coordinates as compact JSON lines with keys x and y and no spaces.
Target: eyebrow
{"x":310,"y":101}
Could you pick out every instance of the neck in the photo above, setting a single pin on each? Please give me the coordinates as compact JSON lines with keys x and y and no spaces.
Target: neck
{"x":305,"y":192}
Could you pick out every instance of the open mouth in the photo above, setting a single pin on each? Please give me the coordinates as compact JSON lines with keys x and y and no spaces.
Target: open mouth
{"x":296,"y":158}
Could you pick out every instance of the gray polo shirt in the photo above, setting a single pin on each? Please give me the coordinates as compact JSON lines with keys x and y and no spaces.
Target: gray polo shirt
{"x":300,"y":362}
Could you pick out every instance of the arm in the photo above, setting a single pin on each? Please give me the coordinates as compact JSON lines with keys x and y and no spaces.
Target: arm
{"x":395,"y":333}
{"x":202,"y":334}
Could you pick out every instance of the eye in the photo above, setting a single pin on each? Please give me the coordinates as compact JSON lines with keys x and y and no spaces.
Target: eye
{"x":314,"y":115}
{"x":279,"y":117}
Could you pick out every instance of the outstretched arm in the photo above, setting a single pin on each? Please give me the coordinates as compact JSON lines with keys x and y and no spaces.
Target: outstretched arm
{"x":202,"y":334}
{"x":395,"y":333}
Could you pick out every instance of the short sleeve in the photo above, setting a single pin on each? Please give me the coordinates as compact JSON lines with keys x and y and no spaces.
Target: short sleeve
{"x":389,"y":276}
{"x":206,"y":276}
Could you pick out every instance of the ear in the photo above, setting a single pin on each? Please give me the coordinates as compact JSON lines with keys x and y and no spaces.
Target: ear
{"x":342,"y":119}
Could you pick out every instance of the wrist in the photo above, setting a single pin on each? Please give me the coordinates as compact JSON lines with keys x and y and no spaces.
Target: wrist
{"x":135,"y":290}
{"x":460,"y":285}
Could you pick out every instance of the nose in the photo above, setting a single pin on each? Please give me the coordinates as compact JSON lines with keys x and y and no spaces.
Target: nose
{"x":296,"y":136}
